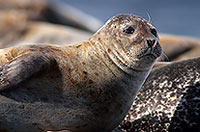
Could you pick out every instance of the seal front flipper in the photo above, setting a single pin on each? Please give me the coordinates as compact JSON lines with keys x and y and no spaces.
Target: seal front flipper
{"x":22,"y":68}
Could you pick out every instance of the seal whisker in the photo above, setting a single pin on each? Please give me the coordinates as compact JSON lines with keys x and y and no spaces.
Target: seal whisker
{"x":164,"y":57}
{"x":149,"y":17}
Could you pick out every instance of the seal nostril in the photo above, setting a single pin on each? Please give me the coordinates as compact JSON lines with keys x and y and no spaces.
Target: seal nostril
{"x":154,"y":32}
{"x":151,"y":42}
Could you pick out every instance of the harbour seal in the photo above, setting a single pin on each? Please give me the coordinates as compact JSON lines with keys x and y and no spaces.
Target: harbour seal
{"x":169,"y":101}
{"x":88,"y":86}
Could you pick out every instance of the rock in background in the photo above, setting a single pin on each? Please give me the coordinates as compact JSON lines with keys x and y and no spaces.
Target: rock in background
{"x":32,"y":21}
{"x":180,"y":47}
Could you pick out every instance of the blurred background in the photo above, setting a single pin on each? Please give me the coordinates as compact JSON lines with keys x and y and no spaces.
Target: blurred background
{"x":70,"y":21}
{"x":180,"y":17}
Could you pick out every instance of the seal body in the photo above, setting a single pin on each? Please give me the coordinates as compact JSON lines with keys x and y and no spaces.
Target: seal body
{"x":88,"y":86}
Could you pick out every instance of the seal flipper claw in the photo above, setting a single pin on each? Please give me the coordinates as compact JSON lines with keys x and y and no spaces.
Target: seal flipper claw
{"x":22,"y":68}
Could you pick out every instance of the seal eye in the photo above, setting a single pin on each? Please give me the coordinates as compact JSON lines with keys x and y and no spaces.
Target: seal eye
{"x":154,"y":32}
{"x":129,"y":30}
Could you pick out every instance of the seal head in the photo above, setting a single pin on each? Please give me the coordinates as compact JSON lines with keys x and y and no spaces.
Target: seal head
{"x":132,"y":40}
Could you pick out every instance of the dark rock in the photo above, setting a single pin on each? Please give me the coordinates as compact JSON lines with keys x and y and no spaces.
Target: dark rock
{"x":168,"y":101}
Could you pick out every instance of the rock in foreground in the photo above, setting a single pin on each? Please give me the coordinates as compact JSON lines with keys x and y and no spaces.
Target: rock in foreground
{"x":169,"y":101}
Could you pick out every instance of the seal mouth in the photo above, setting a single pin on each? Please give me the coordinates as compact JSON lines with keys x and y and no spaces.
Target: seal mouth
{"x":154,"y":51}
{"x":151,"y":51}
